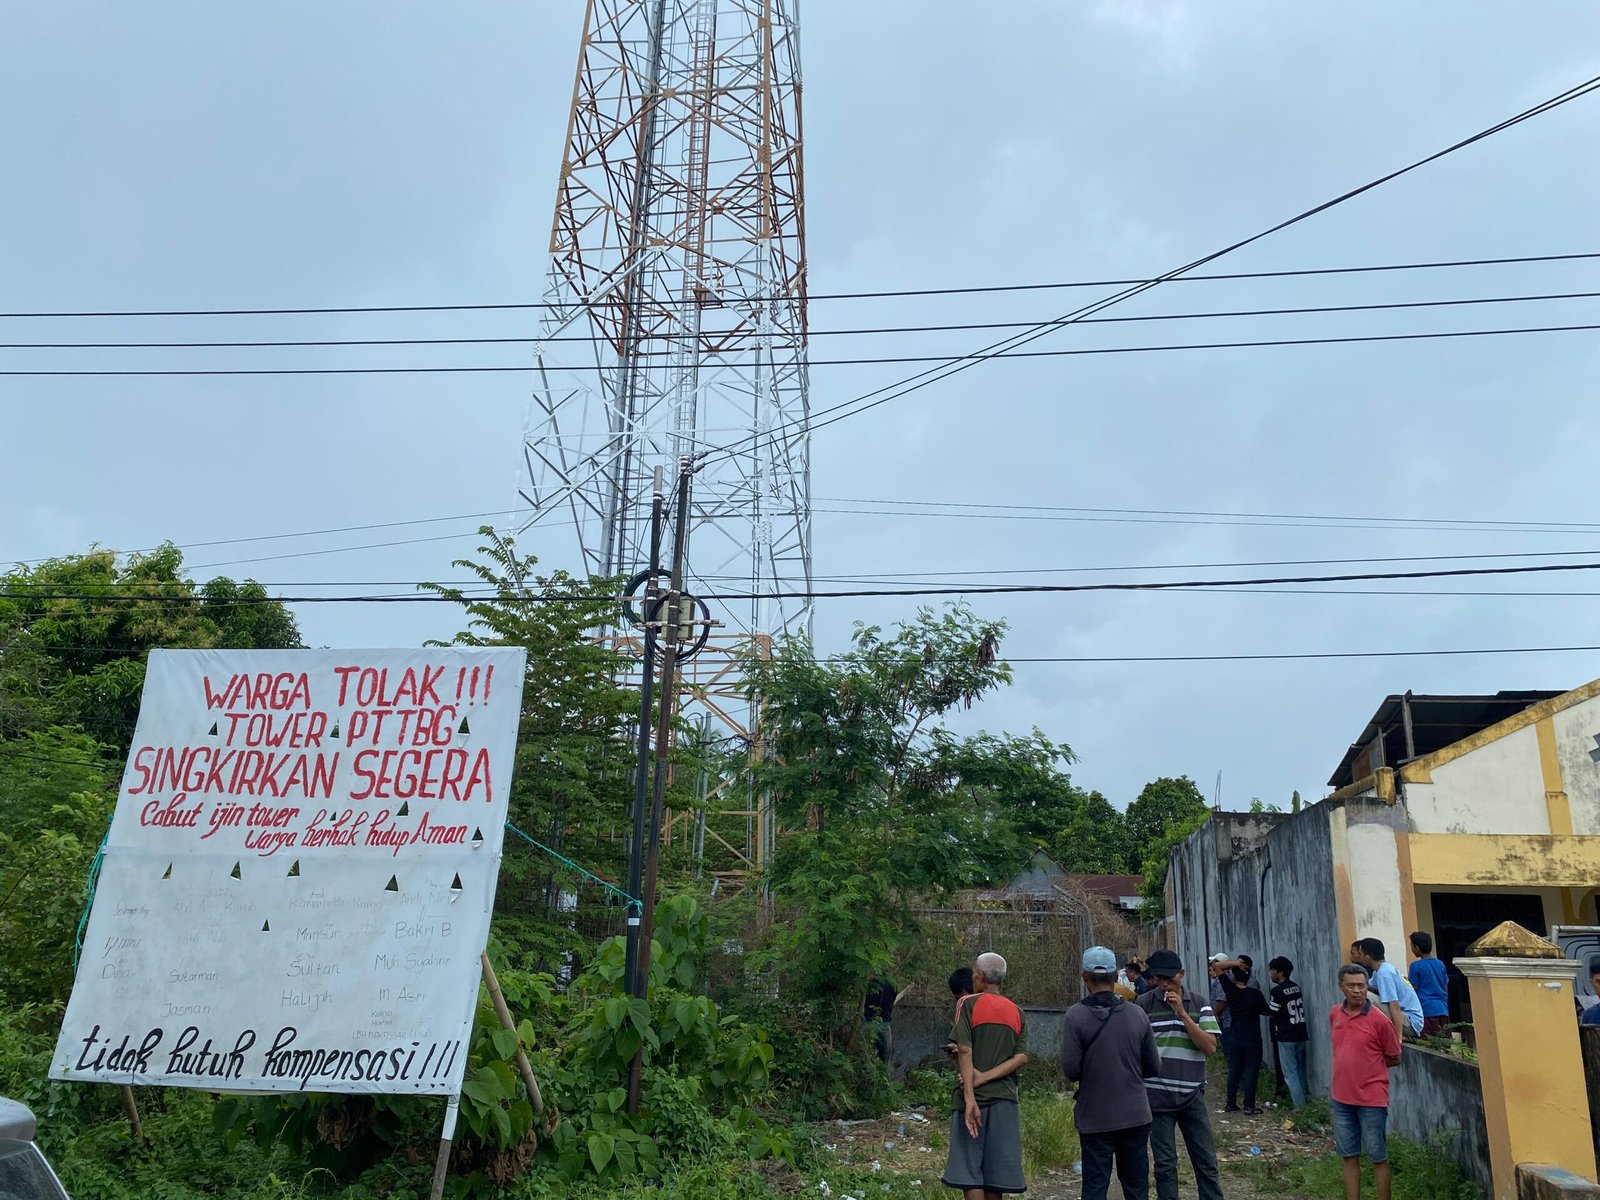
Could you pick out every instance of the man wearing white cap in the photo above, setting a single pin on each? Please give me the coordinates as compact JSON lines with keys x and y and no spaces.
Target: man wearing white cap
{"x":1109,"y":1050}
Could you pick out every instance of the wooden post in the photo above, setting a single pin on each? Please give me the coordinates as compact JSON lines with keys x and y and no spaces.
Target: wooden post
{"x":441,"y":1165}
{"x":131,"y":1106}
{"x":504,"y":1012}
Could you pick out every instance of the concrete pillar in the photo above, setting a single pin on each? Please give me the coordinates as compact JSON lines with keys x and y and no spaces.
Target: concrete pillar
{"x":1535,"y":1103}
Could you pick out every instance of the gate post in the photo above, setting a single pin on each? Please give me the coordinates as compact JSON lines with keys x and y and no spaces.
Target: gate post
{"x":1535,"y":1102}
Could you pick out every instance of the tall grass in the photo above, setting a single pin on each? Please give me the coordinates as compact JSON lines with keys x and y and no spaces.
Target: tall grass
{"x":1421,"y":1172}
{"x":1049,"y":1138}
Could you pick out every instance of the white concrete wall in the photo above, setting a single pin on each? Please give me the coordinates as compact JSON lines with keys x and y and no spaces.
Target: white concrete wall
{"x":1374,"y":865}
{"x":1580,"y":774}
{"x":1497,"y":788}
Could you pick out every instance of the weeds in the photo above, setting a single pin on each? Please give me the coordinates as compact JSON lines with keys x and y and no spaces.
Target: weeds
{"x":1049,"y":1137}
{"x":1421,"y":1172}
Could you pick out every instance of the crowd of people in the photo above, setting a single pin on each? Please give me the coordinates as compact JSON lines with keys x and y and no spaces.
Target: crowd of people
{"x":1137,"y":1045}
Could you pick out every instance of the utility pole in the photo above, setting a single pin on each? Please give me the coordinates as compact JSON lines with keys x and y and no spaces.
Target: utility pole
{"x":673,"y":611}
{"x":641,"y":771}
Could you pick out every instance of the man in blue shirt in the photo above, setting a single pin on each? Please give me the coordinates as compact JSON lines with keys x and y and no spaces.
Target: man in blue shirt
{"x":1394,"y":995}
{"x":1591,"y":1015}
{"x":1427,"y":976}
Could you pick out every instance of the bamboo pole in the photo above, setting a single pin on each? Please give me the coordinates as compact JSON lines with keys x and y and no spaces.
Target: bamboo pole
{"x":502,"y":1010}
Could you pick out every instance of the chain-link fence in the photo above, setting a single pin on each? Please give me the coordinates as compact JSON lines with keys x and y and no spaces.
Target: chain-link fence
{"x":1041,"y":937}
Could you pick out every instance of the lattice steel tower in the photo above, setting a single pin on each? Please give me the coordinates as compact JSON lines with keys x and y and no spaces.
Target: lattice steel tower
{"x":678,"y":303}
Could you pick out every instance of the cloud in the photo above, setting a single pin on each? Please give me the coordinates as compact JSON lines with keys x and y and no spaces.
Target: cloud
{"x":1167,"y":24}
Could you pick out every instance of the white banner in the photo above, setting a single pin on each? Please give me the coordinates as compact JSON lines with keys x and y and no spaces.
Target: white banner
{"x":300,"y":872}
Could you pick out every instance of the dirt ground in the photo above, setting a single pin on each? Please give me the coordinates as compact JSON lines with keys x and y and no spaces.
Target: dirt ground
{"x":900,"y":1143}
{"x":1274,"y":1135}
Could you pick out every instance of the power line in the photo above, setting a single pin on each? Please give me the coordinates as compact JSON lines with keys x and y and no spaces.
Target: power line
{"x":814,"y":296}
{"x":1209,"y":522}
{"x":857,"y":593}
{"x":956,"y":365}
{"x":1285,"y":656}
{"x":1584,"y":526}
{"x":970,"y":360}
{"x":592,"y":339}
{"x":272,"y":537}
{"x":911,"y":575}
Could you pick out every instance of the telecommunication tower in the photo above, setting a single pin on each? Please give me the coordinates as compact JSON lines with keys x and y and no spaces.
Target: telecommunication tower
{"x":676,"y":318}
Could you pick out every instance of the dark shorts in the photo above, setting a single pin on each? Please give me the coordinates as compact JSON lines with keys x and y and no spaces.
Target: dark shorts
{"x":1361,"y":1129}
{"x":993,"y":1159}
{"x":1433,"y":1025}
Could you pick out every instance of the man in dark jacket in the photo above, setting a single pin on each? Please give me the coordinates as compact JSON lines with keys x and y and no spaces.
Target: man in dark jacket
{"x":1109,"y":1050}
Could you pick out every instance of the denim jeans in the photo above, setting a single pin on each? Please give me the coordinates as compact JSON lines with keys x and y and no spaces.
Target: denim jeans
{"x":1292,"y":1060}
{"x":1244,"y":1066}
{"x":1131,"y":1150}
{"x":1360,"y":1129}
{"x":1195,"y":1123}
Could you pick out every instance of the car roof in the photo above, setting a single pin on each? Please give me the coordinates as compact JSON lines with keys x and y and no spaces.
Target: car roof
{"x":16,"y":1121}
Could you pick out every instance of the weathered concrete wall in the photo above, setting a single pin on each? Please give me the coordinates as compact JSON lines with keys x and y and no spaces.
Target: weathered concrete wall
{"x":920,"y":1032}
{"x":1575,"y":730}
{"x":1496,"y":788}
{"x":1435,"y":1095}
{"x":1272,"y":893}
{"x":1375,"y":835}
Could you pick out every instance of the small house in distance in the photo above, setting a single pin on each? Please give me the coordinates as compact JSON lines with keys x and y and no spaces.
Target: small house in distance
{"x":1119,"y":891}
{"x":1043,"y":876}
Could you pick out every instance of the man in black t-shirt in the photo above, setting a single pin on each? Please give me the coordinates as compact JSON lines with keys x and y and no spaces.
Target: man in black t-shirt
{"x":1248,"y":1006}
{"x":1290,"y":1032}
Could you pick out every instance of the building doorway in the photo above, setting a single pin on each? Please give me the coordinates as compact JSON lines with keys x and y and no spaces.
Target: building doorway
{"x":1461,"y":918}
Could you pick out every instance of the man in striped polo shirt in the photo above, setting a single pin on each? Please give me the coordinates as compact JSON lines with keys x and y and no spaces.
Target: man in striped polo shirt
{"x":1186,"y":1035}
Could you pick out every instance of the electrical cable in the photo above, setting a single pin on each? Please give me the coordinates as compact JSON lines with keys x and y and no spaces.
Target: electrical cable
{"x":881,"y":360}
{"x":1584,"y":526}
{"x":884,"y":395}
{"x":813,"y":296}
{"x":592,"y":339}
{"x":858,"y":593}
{"x":916,"y":575}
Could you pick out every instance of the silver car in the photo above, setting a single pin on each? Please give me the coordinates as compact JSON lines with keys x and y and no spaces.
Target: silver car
{"x":24,"y":1173}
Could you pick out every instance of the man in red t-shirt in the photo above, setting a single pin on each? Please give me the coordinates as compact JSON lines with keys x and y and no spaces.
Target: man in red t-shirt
{"x":1365,"y":1046}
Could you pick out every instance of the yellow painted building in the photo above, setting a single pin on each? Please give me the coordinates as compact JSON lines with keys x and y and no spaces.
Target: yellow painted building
{"x":1497,"y":817}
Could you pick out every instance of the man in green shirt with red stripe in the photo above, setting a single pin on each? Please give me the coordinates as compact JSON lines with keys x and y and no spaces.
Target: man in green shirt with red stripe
{"x":985,"y":1134}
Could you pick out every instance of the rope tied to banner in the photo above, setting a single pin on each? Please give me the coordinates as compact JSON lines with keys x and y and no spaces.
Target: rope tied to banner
{"x":89,"y":886}
{"x":634,"y":905}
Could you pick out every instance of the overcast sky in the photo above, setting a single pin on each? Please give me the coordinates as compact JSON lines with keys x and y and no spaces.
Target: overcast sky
{"x":213,"y":156}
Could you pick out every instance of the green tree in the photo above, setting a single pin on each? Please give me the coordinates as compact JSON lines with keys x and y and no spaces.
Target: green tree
{"x":74,"y":633}
{"x":573,"y":783}
{"x":1156,"y":859}
{"x":58,"y":794}
{"x":1162,"y":805}
{"x":884,"y":805}
{"x":1095,"y":840}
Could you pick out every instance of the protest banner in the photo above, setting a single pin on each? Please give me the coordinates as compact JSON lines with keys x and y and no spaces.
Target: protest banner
{"x":299,"y":876}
